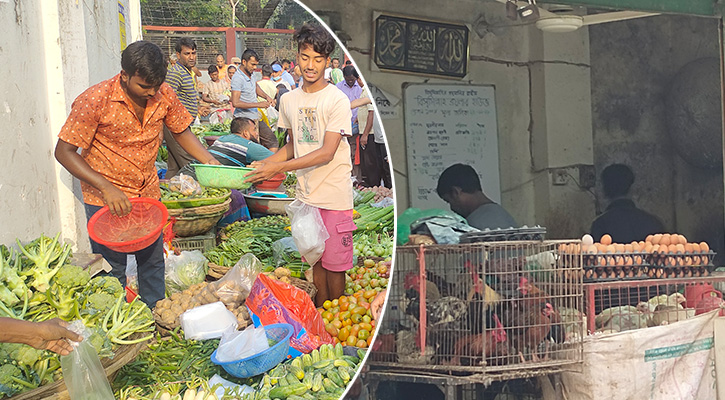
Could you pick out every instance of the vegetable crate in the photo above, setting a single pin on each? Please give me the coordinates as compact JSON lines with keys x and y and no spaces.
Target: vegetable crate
{"x":616,"y":306}
{"x":487,"y":311}
{"x":204,"y":242}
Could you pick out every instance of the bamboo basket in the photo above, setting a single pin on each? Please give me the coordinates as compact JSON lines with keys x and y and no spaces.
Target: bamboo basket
{"x":196,"y":225}
{"x":200,"y":211}
{"x":217,"y":272}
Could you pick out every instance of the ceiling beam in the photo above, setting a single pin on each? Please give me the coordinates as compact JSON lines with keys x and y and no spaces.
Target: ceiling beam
{"x":706,"y":8}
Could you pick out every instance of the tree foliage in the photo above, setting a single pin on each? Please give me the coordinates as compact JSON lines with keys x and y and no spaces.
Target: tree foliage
{"x":249,"y":13}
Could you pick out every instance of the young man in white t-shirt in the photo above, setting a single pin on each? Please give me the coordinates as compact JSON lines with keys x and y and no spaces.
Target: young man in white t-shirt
{"x":317,"y":115}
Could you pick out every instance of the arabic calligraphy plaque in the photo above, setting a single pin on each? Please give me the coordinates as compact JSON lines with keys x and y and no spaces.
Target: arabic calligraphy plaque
{"x":421,"y":46}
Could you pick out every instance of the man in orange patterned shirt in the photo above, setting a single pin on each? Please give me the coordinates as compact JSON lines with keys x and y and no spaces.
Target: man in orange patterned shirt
{"x":118,"y":125}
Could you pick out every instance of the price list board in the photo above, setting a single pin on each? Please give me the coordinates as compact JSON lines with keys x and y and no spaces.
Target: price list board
{"x":446,"y":125}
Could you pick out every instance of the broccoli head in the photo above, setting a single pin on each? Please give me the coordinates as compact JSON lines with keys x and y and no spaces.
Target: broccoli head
{"x":22,"y":354}
{"x":106,"y":284}
{"x":96,"y":306}
{"x":8,"y":386}
{"x":71,"y":276}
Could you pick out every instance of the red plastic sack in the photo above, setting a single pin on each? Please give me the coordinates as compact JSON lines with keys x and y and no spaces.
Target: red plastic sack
{"x":273,"y":302}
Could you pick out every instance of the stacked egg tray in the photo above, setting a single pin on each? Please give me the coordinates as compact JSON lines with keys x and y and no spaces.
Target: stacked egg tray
{"x":638,"y":266}
{"x":504,"y":235}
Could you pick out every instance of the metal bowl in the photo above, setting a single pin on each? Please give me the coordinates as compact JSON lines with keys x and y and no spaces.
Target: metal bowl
{"x":267,"y":205}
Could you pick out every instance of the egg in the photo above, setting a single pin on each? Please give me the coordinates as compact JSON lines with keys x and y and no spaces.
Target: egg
{"x":704,"y":247}
{"x":695,"y":248}
{"x":649,"y":238}
{"x":592,"y":250}
{"x":628,"y":248}
{"x":587,"y":240}
{"x":665,"y":239}
{"x":656,"y":238}
{"x":606,"y":239}
{"x":648,"y":247}
{"x":683,"y":239}
{"x":672,"y":249}
{"x":611,"y":249}
{"x":688,"y":248}
{"x":679,"y":248}
{"x":562,"y":248}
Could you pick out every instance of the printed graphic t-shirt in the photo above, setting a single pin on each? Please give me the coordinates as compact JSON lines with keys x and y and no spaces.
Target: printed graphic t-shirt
{"x":310,"y":116}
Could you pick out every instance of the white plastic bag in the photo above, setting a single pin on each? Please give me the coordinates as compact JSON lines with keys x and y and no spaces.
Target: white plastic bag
{"x":308,"y":230}
{"x":83,"y":373}
{"x":207,"y":321}
{"x":238,"y":345}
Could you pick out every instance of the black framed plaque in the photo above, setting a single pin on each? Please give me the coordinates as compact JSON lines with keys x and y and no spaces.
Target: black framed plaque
{"x":421,"y":46}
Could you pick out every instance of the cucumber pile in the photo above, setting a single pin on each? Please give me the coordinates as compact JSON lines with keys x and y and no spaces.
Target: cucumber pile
{"x":323,"y":375}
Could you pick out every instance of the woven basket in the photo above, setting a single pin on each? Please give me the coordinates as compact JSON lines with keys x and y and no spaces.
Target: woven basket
{"x":200,"y":211}
{"x":217,"y":272}
{"x":192,"y":226}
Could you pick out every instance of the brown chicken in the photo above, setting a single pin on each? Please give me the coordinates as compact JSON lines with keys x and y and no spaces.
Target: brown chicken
{"x":477,"y":347}
{"x":531,"y":296}
{"x":531,"y":327}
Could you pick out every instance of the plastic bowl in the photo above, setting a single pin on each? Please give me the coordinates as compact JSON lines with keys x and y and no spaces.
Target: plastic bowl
{"x":264,"y":361}
{"x":133,"y":232}
{"x":272,"y":183}
{"x":222,"y":176}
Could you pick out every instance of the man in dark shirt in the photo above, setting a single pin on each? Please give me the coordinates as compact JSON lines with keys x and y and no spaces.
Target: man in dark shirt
{"x":622,"y":219}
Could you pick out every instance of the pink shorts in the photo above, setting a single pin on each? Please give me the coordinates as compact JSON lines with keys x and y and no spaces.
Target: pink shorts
{"x":338,"y":248}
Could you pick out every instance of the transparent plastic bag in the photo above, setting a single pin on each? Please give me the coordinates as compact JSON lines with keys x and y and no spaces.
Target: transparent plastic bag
{"x":308,"y":230}
{"x":83,"y":373}
{"x":184,"y":270}
{"x":185,"y":185}
{"x":284,"y":251}
{"x":233,"y":288}
{"x":237,"y":345}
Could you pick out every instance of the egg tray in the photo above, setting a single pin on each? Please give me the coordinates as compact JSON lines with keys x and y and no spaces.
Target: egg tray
{"x":680,"y":260}
{"x":603,"y":273}
{"x":595,"y":260}
{"x":504,"y":235}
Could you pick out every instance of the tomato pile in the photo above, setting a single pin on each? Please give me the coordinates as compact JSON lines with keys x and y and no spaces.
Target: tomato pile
{"x":349,"y":320}
{"x":371,"y":276}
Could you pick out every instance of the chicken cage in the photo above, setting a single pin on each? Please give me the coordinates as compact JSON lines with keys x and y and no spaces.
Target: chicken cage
{"x":485,"y":311}
{"x":617,"y":306}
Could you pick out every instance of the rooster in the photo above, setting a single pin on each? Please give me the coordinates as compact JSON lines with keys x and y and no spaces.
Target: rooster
{"x":532,"y":328}
{"x":484,"y":346}
{"x":532,"y":296}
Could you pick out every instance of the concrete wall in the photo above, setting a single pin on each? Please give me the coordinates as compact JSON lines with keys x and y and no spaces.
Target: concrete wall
{"x":634,"y":64}
{"x":542,"y":100}
{"x":591,"y":97}
{"x":53,"y":51}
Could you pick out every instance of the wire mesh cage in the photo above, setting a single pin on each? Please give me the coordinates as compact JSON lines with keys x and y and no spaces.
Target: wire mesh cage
{"x":494,"y":308}
{"x":628,"y":305}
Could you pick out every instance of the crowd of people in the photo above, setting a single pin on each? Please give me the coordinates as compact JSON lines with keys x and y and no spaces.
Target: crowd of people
{"x":249,"y":88}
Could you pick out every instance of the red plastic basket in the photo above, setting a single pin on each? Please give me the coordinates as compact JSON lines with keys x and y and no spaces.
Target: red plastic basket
{"x":272,"y":183}
{"x":133,"y":232}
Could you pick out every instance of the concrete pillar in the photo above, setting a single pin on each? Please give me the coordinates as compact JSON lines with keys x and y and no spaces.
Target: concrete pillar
{"x":561,"y":131}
